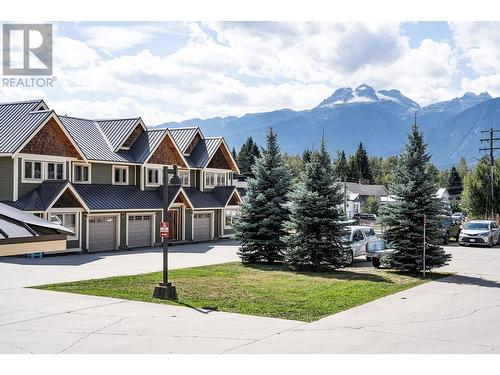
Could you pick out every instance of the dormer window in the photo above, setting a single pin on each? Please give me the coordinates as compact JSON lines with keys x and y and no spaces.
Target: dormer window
{"x":213,"y":179}
{"x":120,"y":175}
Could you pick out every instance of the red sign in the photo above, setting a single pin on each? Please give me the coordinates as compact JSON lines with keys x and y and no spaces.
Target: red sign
{"x":164,"y":229}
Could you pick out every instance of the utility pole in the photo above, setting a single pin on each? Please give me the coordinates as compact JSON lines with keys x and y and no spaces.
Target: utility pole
{"x":345,"y":195}
{"x":491,"y":140}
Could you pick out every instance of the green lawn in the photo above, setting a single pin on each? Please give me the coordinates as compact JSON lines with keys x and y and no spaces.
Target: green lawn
{"x":267,"y":290}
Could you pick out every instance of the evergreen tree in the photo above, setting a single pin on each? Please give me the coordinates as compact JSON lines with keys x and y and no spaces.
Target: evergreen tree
{"x":306,"y":156}
{"x":259,"y":225}
{"x":462,"y":169}
{"x":315,"y":237}
{"x":234,"y":153}
{"x":340,"y":165}
{"x":246,"y":157}
{"x":363,"y":163}
{"x":454,"y":183}
{"x":353,"y":172}
{"x":414,"y":189}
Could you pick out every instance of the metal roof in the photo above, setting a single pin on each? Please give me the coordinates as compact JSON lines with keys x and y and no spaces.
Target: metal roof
{"x":18,"y":121}
{"x":209,"y":199}
{"x":42,"y":197}
{"x":224,"y":193}
{"x":117,"y":130}
{"x":122,"y":197}
{"x":183,"y":137}
{"x":91,"y":140}
{"x":146,"y":143}
{"x":203,"y":152}
{"x":365,"y":189}
{"x":12,"y":214}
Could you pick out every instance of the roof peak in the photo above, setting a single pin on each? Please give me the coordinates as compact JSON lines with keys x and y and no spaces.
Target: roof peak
{"x":22,"y":102}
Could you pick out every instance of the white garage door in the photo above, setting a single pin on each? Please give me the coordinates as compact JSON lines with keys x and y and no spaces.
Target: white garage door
{"x":139,"y":230}
{"x":102,"y":233}
{"x":202,"y":227}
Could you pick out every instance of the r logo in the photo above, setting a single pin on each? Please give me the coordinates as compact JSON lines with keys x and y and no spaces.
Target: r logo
{"x":27,"y":49}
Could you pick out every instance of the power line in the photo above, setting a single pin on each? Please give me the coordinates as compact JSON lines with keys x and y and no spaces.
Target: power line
{"x":491,"y":140}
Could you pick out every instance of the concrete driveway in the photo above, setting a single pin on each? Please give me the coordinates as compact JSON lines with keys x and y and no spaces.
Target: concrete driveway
{"x":458,"y":314}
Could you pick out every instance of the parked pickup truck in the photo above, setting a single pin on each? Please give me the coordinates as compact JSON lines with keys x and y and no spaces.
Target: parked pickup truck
{"x":375,"y":250}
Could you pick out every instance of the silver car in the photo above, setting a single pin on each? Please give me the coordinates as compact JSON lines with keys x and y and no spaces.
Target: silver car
{"x":480,"y":232}
{"x":358,"y":239}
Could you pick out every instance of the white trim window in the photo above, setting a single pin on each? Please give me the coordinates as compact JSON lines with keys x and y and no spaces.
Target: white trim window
{"x":229,"y":215}
{"x":213,"y":179}
{"x":153,"y":177}
{"x":68,"y":220}
{"x":184,"y":176}
{"x":120,"y":175}
{"x":81,"y":173}
{"x":55,"y":171}
{"x":32,"y":170}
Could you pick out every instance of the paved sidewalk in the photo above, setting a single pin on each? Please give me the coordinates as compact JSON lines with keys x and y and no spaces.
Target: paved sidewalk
{"x":459,"y":314}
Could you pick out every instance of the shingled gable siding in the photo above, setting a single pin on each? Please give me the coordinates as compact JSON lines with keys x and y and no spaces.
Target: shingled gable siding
{"x":133,"y":137}
{"x":6,"y":178}
{"x":51,"y":140}
{"x":166,"y":153}
{"x":219,"y":160}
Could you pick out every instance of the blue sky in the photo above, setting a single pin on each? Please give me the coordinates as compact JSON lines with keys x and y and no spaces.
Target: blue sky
{"x":170,"y":71}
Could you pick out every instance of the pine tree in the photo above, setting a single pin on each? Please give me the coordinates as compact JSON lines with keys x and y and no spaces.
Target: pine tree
{"x":363,"y":163}
{"x":414,"y":189}
{"x":234,"y":153}
{"x":353,"y":172}
{"x":315,"y":237}
{"x":341,"y":167}
{"x":454,"y":183}
{"x":306,"y":156}
{"x":246,"y":157}
{"x":260,"y":223}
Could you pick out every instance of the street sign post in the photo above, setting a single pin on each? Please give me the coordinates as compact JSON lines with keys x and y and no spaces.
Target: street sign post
{"x":164,"y":229}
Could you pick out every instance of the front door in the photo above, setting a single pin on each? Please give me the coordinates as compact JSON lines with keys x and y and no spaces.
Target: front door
{"x":173,"y":219}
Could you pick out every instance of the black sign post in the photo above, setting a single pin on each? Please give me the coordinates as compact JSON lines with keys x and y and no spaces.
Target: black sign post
{"x":165,"y":289}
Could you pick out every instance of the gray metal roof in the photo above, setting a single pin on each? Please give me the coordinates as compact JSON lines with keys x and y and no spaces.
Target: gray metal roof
{"x":203,"y":152}
{"x":365,"y":189}
{"x":14,"y":215}
{"x":117,"y":130}
{"x":92,"y":141}
{"x":224,"y":193}
{"x":41,"y":198}
{"x":18,"y":121}
{"x":146,"y":143}
{"x":122,"y":197}
{"x":209,"y":199}
{"x":183,"y":137}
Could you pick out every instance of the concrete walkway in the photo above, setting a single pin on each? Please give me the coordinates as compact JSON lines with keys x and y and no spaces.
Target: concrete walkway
{"x":459,"y":314}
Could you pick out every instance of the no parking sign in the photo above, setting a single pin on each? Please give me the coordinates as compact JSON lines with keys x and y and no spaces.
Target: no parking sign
{"x":164,"y":229}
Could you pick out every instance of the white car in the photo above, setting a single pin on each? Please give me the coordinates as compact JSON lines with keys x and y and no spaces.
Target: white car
{"x":358,"y":239}
{"x":480,"y":232}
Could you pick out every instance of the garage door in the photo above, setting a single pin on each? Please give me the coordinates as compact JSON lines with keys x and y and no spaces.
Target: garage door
{"x":139,"y":230}
{"x":102,"y":233}
{"x":202,"y":227}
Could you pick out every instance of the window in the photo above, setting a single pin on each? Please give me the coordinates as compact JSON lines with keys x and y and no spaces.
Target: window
{"x":82,"y":173}
{"x":55,"y":171}
{"x":230,"y":214}
{"x":120,"y":175}
{"x":67,"y":220}
{"x":32,"y":170}
{"x":215,"y":179}
{"x":184,"y":176}
{"x":153,"y":176}
{"x":358,"y":236}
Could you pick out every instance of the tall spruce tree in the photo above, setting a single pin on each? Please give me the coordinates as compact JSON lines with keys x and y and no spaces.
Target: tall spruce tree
{"x":340,"y":165}
{"x":260,"y":223}
{"x":353,"y":172}
{"x":414,"y":190}
{"x":363,"y":163}
{"x":454,"y":183}
{"x":315,"y":237}
{"x":246,"y":157}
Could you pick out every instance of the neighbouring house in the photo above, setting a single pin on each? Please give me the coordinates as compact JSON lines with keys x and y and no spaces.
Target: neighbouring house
{"x":444,"y":196}
{"x":358,"y":193}
{"x":21,"y":233}
{"x":102,"y":179}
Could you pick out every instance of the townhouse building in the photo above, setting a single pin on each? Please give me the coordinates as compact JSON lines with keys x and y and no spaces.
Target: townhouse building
{"x":103,"y":178}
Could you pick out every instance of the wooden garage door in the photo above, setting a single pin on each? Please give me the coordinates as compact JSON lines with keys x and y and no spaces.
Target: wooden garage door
{"x":139,"y":230}
{"x":202,"y":227}
{"x":102,"y":233}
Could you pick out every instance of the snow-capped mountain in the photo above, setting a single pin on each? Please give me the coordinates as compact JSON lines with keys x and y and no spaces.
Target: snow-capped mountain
{"x":378,"y":118}
{"x":366,"y":94}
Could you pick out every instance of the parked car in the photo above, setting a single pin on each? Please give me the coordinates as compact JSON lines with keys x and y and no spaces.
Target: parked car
{"x":459,"y":216}
{"x":451,"y":228}
{"x":362,"y":218}
{"x":480,"y":232}
{"x":376,"y":250}
{"x":358,"y":238}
